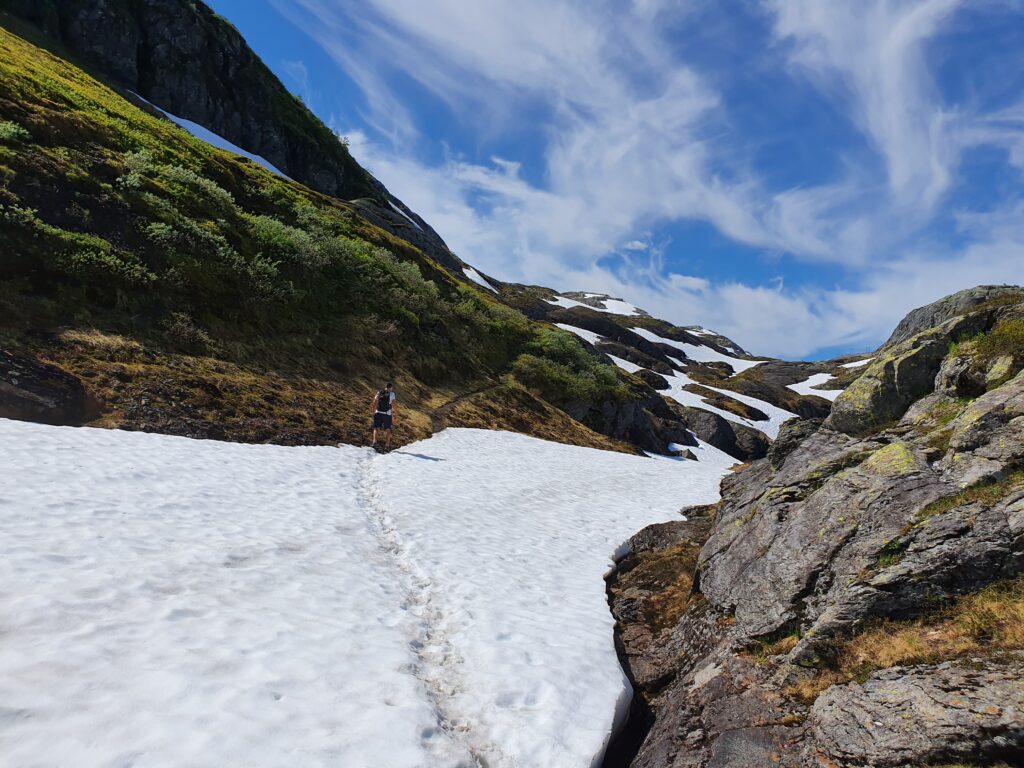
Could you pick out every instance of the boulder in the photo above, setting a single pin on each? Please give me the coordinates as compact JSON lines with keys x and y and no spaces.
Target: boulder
{"x":900,"y":375}
{"x":31,"y":390}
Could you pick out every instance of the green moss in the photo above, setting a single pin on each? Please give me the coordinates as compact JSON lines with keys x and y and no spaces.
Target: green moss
{"x":890,"y":554}
{"x":892,"y":460}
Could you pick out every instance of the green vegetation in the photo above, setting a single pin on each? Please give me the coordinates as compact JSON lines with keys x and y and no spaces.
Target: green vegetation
{"x":1006,"y":338}
{"x":117,"y":223}
{"x":561,"y":370}
{"x":12,"y":133}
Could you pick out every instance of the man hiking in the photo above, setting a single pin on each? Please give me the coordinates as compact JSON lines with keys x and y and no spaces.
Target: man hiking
{"x":384,"y":414}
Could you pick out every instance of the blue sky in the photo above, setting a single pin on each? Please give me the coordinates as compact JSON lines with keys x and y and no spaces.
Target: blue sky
{"x":796,"y":175}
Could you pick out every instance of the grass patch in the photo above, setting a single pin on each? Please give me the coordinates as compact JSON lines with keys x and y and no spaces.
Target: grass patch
{"x":776,"y":646}
{"x":987,"y":621}
{"x":988,"y":493}
{"x":1006,"y":338}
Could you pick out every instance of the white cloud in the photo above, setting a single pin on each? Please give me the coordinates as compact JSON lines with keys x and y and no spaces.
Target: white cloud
{"x":635,"y":138}
{"x":873,"y":55}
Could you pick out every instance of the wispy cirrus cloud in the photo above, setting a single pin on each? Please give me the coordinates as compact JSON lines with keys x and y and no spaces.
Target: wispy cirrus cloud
{"x":634,"y":137}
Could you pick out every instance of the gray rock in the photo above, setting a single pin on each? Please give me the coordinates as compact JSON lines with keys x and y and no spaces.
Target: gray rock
{"x":901,"y":375}
{"x":946,"y":308}
{"x":970,"y":711}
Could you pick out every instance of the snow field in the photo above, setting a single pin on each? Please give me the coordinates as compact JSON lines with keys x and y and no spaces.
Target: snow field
{"x":170,"y":602}
{"x":700,"y":354}
{"x":810,"y":386}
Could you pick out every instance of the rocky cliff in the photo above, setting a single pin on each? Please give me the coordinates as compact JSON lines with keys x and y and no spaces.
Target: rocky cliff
{"x":857,"y":599}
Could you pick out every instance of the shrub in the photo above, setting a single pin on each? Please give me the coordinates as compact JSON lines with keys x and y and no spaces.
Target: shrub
{"x":561,"y":370}
{"x":191,"y":182}
{"x":181,"y":331}
{"x":1007,"y":338}
{"x":12,"y":133}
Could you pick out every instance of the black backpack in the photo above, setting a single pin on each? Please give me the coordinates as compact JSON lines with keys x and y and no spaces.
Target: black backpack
{"x":383,"y":401}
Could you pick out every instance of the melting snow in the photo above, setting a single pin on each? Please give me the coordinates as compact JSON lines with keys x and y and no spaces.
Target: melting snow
{"x":410,"y":219}
{"x":612,"y":306}
{"x":625,"y":365}
{"x":700,"y":354}
{"x":205,"y":134}
{"x":172,"y":602}
{"x":477,"y":278}
{"x":583,"y":333}
{"x":810,"y":387}
{"x":678,"y":381}
{"x":857,"y":363}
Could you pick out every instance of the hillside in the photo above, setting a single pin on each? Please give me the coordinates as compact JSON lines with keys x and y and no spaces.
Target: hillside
{"x":176,"y":287}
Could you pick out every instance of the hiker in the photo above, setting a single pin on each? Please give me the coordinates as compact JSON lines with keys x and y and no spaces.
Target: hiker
{"x":384,"y":414}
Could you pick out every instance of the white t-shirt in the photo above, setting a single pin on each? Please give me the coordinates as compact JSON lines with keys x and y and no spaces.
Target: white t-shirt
{"x":390,"y":401}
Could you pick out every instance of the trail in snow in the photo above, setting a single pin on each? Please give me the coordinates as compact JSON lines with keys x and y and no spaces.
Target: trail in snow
{"x":427,"y":627}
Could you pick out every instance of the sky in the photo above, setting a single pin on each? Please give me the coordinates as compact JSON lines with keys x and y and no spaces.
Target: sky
{"x":795,"y":174}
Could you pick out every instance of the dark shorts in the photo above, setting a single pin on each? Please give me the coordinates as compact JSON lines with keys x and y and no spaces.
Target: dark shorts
{"x":381,"y":420}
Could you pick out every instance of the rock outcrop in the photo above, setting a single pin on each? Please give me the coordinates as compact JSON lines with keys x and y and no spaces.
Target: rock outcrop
{"x":904,"y":502}
{"x":31,"y":390}
{"x":961,"y":712}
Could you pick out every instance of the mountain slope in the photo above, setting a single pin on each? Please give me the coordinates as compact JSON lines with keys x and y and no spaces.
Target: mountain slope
{"x":195,"y":293}
{"x":192,"y":63}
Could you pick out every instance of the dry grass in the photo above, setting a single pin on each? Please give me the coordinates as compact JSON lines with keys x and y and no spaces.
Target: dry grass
{"x":981,"y":623}
{"x":91,"y":338}
{"x":987,"y":493}
{"x":512,"y":408}
{"x":664,"y":578}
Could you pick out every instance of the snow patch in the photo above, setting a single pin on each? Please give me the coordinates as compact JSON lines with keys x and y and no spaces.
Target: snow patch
{"x":409,"y":218}
{"x":583,"y":333}
{"x":857,"y":363}
{"x":477,"y":278}
{"x":810,"y":387}
{"x":179,"y":602}
{"x":625,"y":365}
{"x":700,"y":354}
{"x":611,"y":306}
{"x":214,"y":139}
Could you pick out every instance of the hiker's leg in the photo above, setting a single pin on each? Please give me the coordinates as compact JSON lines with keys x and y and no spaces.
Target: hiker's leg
{"x":387,"y":434}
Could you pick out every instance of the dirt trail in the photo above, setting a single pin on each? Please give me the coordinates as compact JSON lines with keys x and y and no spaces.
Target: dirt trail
{"x":439,"y":416}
